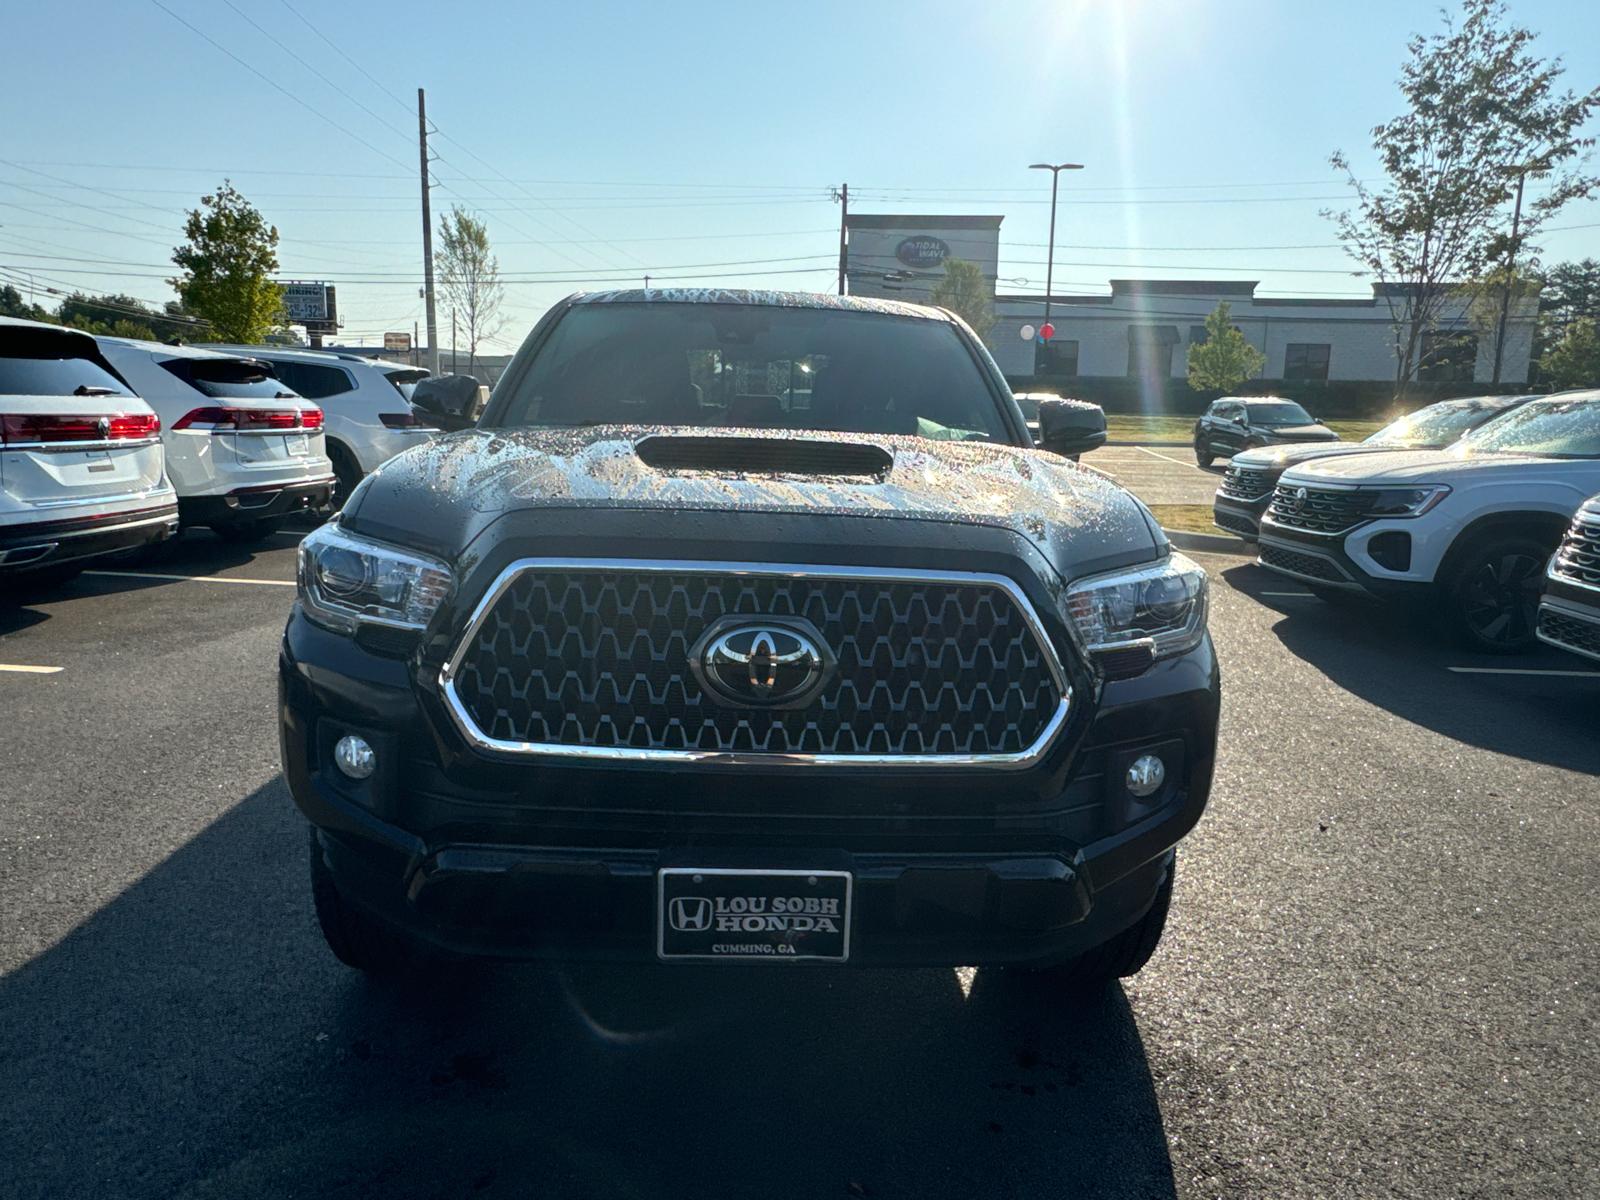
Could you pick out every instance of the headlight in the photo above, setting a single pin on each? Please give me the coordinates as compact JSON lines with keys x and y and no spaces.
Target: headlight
{"x":1164,"y":603}
{"x":347,"y":580}
{"x":1404,"y":502}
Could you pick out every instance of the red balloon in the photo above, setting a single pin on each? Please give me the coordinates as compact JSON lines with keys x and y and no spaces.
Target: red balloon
{"x":1047,"y":332}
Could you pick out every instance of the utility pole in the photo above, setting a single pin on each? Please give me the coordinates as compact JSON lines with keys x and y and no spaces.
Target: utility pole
{"x":1511,"y":259}
{"x":844,"y":217}
{"x":427,"y":235}
{"x":416,"y":347}
{"x":453,"y":370}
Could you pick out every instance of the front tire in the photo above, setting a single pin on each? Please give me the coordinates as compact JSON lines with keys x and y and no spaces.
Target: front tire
{"x":346,"y":473}
{"x":1127,"y":953}
{"x":1203,"y":456}
{"x":356,"y":939}
{"x":1494,"y":599}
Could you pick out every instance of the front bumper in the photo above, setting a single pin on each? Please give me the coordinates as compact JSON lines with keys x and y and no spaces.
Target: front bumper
{"x":39,"y":544}
{"x":539,"y":860}
{"x":1323,"y":561}
{"x":1569,"y":618}
{"x":257,"y":503}
{"x":1242,"y":518}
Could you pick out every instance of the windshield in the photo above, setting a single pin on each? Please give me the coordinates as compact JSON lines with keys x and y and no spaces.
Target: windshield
{"x":1553,"y":428}
{"x":1437,"y":425}
{"x":405,"y":382}
{"x":1282,"y":412}
{"x":757,"y":367}
{"x":235,"y":378}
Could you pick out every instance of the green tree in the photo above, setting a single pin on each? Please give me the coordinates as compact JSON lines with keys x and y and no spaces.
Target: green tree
{"x":1482,"y":114}
{"x":1224,"y":360}
{"x":965,"y":292}
{"x":1574,"y":362}
{"x":469,"y":275}
{"x":124,"y":316}
{"x":13,"y":305}
{"x":228,"y":264}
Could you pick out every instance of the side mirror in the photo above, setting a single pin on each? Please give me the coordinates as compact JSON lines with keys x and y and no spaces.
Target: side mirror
{"x":1071,"y":427}
{"x":449,"y":402}
{"x":1242,"y":422}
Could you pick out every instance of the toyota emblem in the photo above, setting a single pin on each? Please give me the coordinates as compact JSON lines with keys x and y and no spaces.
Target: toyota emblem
{"x":771,"y":663}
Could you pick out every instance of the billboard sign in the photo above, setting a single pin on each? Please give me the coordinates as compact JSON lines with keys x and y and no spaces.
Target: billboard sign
{"x":397,"y":343}
{"x":922,"y":251}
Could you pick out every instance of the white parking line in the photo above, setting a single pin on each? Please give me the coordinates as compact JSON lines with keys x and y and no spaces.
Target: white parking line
{"x":192,"y":578}
{"x":1521,"y":671}
{"x":1168,"y":458}
{"x":20,"y":669}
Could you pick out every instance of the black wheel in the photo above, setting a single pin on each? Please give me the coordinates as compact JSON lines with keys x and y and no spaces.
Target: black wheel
{"x":245,"y":533}
{"x":1125,"y":954}
{"x":1202,"y":454}
{"x":346,"y":472}
{"x":356,"y":939}
{"x":1495,"y":595}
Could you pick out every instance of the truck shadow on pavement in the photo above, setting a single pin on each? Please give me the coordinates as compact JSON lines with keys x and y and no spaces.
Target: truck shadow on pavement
{"x":1400,"y":661}
{"x":195,"y":1037}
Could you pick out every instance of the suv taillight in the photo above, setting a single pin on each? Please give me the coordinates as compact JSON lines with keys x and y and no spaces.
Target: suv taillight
{"x":222,"y":419}
{"x":401,"y":421}
{"x":30,"y":428}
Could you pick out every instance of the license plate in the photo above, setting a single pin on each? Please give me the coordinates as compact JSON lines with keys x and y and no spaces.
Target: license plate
{"x":767,"y":916}
{"x":298,"y":445}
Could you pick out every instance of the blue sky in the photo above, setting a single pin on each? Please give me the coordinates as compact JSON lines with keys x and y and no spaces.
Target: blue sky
{"x":700,"y":141}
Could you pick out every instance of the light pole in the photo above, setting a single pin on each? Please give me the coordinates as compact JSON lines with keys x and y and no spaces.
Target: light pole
{"x":1050,"y":262}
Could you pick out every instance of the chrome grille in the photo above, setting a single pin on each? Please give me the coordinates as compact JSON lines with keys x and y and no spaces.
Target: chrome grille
{"x":1318,"y":510}
{"x":1243,"y":483}
{"x":592,"y":659}
{"x":1578,"y":559}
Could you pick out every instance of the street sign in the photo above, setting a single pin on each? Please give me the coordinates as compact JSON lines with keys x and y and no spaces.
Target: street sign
{"x":312,"y":305}
{"x":397,"y":343}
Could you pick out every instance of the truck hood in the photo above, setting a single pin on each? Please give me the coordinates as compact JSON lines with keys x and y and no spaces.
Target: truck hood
{"x":1407,"y":467}
{"x":442,"y":495}
{"x":1299,"y":433}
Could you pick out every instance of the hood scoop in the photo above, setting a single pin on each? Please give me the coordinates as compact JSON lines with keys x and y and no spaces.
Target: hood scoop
{"x":765,"y":456}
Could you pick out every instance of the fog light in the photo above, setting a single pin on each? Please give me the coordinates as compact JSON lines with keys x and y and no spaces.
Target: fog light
{"x":356,"y":759}
{"x":1145,"y":777}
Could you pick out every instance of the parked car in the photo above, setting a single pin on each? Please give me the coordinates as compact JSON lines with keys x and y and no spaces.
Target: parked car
{"x":1253,"y":474}
{"x":242,"y":449}
{"x":366,"y":406}
{"x":750,"y":627}
{"x":1469,"y":528}
{"x":1569,"y":611}
{"x":81,"y":468}
{"x":1236,"y":423}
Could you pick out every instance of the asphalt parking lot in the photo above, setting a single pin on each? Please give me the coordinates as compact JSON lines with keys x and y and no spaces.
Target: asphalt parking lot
{"x":1380,"y":978}
{"x":1159,"y":474}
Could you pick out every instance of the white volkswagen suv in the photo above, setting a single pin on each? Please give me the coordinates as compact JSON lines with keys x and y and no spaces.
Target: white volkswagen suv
{"x":243,"y":450}
{"x":366,"y":406}
{"x":80,"y":456}
{"x":1470,"y":527}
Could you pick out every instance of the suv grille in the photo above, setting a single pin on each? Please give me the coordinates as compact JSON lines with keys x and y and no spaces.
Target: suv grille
{"x":1241,"y":483}
{"x":1579,"y":556}
{"x":1234,"y":522}
{"x":1319,"y":510}
{"x":1582,"y":637}
{"x":592,"y":659}
{"x":1308,"y":565}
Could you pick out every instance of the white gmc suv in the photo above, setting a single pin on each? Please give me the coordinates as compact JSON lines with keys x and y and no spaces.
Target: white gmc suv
{"x":1470,"y":527}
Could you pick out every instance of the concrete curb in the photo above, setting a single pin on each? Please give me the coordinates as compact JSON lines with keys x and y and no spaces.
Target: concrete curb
{"x":1209,"y":543}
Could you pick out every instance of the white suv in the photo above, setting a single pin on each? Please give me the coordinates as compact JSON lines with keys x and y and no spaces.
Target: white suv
{"x":80,"y":456}
{"x":365,"y":403}
{"x":1471,"y":526}
{"x":243,"y":450}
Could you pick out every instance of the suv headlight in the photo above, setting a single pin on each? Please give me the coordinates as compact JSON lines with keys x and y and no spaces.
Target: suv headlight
{"x":1164,"y":603}
{"x":1404,"y":502}
{"x":346,"y":581}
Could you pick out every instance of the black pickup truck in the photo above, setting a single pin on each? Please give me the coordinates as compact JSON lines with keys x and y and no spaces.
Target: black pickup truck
{"x":748,"y":627}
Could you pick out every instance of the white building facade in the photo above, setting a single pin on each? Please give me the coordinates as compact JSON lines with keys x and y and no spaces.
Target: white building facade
{"x":1143,"y":328}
